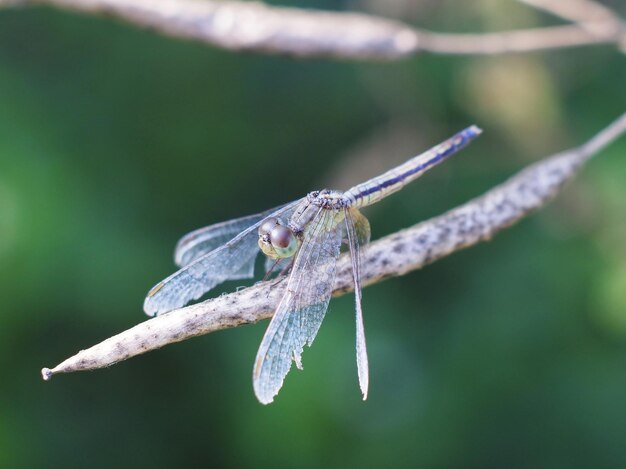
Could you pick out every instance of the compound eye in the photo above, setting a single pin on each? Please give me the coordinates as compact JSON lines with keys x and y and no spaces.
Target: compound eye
{"x":283,"y":241}
{"x":267,"y":226}
{"x":281,"y":236}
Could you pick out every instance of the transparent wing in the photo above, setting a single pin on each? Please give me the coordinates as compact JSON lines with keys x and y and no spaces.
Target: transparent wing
{"x":232,"y":260}
{"x":361,"y":226}
{"x":204,"y":240}
{"x":302,"y":308}
{"x":352,"y":231}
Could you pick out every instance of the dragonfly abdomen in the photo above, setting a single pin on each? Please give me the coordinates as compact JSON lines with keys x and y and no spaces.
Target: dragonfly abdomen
{"x":377,"y":188}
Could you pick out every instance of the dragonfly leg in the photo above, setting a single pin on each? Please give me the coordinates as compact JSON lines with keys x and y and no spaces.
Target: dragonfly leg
{"x":287,"y":268}
{"x":281,"y":275}
{"x":270,"y":270}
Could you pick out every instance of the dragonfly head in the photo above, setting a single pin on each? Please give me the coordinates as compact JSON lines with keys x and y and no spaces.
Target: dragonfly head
{"x":276,"y":240}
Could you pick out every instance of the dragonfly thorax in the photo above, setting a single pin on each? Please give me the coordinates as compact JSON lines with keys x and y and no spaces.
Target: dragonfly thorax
{"x":277,"y":240}
{"x":327,"y":198}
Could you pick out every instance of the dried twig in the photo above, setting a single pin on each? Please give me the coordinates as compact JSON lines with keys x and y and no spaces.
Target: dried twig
{"x":588,"y":14}
{"x":523,"y":40}
{"x":407,"y":250}
{"x":258,"y":27}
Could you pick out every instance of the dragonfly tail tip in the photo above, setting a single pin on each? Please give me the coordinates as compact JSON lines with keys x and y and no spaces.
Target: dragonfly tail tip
{"x":475,"y":130}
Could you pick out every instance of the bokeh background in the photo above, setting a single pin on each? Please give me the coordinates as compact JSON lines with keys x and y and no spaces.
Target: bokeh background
{"x":114,"y":142}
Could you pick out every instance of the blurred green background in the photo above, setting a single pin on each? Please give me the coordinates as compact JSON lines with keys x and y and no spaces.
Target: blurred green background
{"x":114,"y":142}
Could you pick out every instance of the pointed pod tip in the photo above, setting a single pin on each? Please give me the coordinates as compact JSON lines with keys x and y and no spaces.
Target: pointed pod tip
{"x":46,"y":374}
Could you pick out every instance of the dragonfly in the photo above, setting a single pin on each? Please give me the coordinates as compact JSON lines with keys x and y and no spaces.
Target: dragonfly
{"x":303,"y":237}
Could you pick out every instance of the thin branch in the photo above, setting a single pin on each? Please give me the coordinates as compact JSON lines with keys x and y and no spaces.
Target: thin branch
{"x":402,"y":252}
{"x":254,"y":26}
{"x":523,"y":40}
{"x":588,"y":14}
